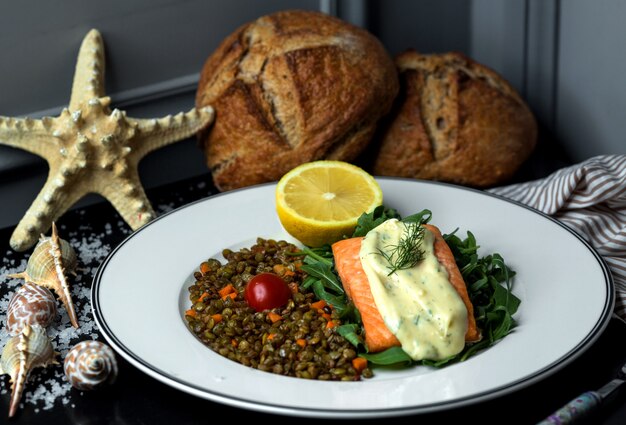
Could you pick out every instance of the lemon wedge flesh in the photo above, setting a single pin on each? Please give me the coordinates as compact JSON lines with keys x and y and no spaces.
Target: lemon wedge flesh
{"x":320,"y":202}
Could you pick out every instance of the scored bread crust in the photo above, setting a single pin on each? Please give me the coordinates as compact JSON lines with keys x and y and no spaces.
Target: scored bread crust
{"x":455,"y":120}
{"x":289,"y":88}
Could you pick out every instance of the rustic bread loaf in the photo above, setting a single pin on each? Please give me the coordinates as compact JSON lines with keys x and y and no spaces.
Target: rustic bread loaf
{"x":454,"y":120}
{"x":289,"y":88}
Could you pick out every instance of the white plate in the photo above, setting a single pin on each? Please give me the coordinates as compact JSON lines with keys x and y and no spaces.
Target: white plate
{"x":140,"y":293}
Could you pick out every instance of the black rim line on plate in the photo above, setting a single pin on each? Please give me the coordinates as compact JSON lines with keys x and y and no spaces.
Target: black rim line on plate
{"x":594,"y":333}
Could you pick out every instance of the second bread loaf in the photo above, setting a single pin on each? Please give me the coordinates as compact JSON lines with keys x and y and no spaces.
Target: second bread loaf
{"x":457,"y":121}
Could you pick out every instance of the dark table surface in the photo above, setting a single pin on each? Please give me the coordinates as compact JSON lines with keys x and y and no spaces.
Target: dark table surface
{"x":136,"y":398}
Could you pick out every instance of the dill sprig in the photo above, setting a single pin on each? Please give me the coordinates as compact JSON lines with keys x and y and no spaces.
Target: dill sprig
{"x":408,"y":252}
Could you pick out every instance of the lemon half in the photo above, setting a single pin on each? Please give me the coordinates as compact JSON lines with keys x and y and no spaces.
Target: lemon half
{"x":320,"y":202}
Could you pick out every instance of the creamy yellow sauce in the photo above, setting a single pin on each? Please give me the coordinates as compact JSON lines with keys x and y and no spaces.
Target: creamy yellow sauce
{"x":419,"y":305}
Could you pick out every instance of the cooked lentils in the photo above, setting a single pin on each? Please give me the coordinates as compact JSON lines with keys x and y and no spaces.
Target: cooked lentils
{"x":301,"y":343}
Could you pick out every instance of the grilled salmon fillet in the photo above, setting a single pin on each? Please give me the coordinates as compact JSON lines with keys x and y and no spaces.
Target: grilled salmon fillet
{"x":377,"y":336}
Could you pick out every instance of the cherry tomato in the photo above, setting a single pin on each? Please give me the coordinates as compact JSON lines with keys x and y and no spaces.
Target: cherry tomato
{"x":266,"y":291}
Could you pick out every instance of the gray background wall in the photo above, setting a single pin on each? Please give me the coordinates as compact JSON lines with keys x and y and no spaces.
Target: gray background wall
{"x":566,"y":57}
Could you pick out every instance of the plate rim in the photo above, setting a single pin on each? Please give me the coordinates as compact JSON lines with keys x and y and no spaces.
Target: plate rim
{"x":272,"y":408}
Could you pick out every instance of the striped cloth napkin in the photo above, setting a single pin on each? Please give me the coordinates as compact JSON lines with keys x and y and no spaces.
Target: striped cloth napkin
{"x":590,"y":198}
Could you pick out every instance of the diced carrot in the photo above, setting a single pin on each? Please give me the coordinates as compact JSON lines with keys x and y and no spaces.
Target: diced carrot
{"x":359,"y":363}
{"x":282,"y":270}
{"x":203,"y":296}
{"x":232,"y":296}
{"x":325,"y":315}
{"x":330,"y":324}
{"x":274,"y":317}
{"x":216,"y":317}
{"x":271,"y":336}
{"x":301,"y":342}
{"x":228,"y":289}
{"x":234,"y":342}
{"x":318,"y":305}
{"x":204,"y":268}
{"x":191,"y":312}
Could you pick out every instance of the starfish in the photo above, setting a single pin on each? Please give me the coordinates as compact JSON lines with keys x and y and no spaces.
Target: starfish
{"x":91,"y":149}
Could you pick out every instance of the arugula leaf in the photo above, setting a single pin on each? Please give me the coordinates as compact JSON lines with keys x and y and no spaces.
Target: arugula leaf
{"x":322,"y":279}
{"x":393,"y":355}
{"x":371,"y":220}
{"x":350,"y":314}
{"x":352,"y":333}
{"x":421,"y":217}
{"x":324,"y":273}
{"x":337,"y":301}
{"x":488,"y":281}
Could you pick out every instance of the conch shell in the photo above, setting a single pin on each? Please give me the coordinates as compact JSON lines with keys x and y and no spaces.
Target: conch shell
{"x":47,"y":265}
{"x":89,"y":365}
{"x":23,"y":353}
{"x":31,"y":305}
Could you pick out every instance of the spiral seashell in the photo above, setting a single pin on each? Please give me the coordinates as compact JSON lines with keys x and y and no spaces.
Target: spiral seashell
{"x":89,"y":365}
{"x":31,"y":305}
{"x":22,"y":353}
{"x":47,"y":265}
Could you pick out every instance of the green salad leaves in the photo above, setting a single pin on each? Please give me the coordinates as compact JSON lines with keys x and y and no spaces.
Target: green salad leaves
{"x":488,"y":281}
